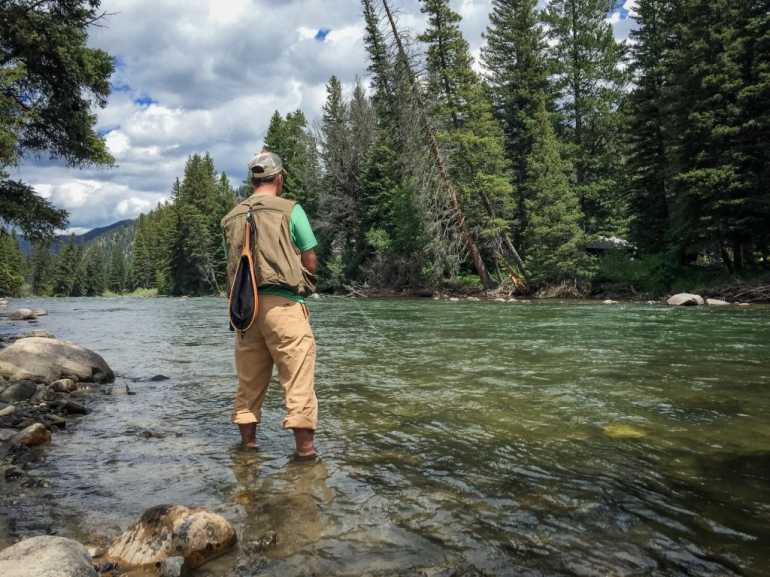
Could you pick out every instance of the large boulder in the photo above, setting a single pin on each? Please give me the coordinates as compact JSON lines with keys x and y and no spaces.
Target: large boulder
{"x":46,"y":360}
{"x":46,"y":556}
{"x":173,"y":531}
{"x":23,"y":315}
{"x":685,"y":300}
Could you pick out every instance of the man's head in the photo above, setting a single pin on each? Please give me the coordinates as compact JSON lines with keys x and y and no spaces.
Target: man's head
{"x":266,"y":172}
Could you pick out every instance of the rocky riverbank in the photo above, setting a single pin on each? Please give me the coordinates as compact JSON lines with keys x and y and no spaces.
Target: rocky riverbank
{"x":46,"y":384}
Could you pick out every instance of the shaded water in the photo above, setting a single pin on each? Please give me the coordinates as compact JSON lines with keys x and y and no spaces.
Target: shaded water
{"x":457,"y":438}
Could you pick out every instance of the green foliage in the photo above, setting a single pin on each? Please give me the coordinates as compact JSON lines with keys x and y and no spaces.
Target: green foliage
{"x":49,"y":82}
{"x":648,"y":274}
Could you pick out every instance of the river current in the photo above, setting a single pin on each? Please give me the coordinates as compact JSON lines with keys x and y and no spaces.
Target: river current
{"x":458,"y":438}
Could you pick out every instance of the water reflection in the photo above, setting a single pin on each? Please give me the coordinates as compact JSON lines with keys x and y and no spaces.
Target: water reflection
{"x":283,"y":510}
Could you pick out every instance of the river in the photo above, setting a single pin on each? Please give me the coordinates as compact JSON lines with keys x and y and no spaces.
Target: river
{"x":470,"y":438}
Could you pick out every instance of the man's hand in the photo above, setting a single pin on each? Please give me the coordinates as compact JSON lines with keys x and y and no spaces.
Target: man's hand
{"x":310,"y":261}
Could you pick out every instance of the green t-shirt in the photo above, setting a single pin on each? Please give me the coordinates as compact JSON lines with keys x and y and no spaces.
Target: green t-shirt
{"x":303,"y":238}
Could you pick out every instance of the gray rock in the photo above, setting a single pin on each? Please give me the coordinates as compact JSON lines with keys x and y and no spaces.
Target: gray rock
{"x":33,"y":435}
{"x":42,"y":394}
{"x":39,"y":312}
{"x":46,"y":556}
{"x":46,"y":360}
{"x":18,"y":392}
{"x":685,"y":300}
{"x":315,"y":296}
{"x":716,"y":302}
{"x":609,"y":302}
{"x":171,"y":567}
{"x":7,"y":411}
{"x":169,"y":531}
{"x":7,"y":434}
{"x":22,"y":315}
{"x":64,"y":386}
{"x":70,"y":407}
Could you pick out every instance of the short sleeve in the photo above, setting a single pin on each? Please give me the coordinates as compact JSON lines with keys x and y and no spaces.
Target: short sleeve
{"x":301,"y":231}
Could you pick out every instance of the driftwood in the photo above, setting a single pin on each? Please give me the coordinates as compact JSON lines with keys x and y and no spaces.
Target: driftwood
{"x":355,"y":291}
{"x":743,"y":292}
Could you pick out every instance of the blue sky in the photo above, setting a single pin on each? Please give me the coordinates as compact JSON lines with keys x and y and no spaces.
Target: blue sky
{"x":206,"y":75}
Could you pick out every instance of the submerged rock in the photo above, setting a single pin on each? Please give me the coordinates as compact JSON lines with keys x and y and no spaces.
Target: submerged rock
{"x":22,"y":315}
{"x":47,"y":360}
{"x":46,"y":556}
{"x":33,"y":435}
{"x":685,"y":300}
{"x":39,"y":312}
{"x":168,"y":531}
{"x":623,"y":431}
{"x":158,"y":378}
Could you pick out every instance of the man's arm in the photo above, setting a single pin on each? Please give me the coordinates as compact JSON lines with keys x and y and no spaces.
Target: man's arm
{"x":310,"y":261}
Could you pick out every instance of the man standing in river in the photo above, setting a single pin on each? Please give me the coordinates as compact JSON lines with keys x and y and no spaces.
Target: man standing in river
{"x":284,"y":263}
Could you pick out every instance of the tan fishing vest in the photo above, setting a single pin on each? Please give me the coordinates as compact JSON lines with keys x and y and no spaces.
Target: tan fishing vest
{"x":276,"y":260}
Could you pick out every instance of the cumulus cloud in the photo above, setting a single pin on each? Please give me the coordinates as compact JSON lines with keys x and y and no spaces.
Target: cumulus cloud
{"x":198,"y":76}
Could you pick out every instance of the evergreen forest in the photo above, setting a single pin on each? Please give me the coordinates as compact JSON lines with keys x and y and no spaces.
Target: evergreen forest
{"x":507,"y":172}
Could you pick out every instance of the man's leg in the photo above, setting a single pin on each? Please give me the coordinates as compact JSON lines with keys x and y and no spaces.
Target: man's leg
{"x":291,"y":343}
{"x":255,"y":367}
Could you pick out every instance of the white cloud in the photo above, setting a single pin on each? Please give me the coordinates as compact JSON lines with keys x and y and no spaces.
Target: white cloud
{"x":206,"y":75}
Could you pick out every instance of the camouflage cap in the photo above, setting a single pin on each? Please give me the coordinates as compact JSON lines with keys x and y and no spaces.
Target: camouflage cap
{"x":266,"y":164}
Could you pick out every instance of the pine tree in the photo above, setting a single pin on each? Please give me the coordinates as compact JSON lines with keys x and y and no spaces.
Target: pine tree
{"x":66,"y":270}
{"x":11,"y":265}
{"x":515,"y":59}
{"x":41,"y":265}
{"x":648,"y":161}
{"x":92,"y":271}
{"x":586,"y":60}
{"x":717,"y":200}
{"x":117,"y":272}
{"x":555,"y":242}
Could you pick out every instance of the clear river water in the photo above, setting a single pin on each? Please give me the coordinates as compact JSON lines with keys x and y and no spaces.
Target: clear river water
{"x":458,"y":438}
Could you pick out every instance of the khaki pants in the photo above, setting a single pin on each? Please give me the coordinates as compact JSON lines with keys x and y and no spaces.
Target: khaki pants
{"x":280,"y":336}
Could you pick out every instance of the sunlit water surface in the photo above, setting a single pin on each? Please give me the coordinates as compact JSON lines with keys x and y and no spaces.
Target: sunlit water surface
{"x":457,"y":438}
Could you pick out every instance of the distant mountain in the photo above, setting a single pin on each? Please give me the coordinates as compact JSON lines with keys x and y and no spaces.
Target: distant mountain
{"x":111,"y":232}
